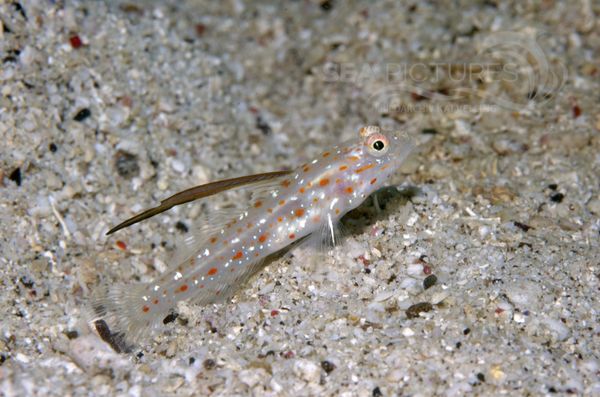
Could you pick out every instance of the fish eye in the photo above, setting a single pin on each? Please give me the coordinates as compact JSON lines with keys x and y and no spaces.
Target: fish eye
{"x":378,"y":145}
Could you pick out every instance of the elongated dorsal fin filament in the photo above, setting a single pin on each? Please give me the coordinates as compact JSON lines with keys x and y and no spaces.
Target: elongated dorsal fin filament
{"x":196,"y":193}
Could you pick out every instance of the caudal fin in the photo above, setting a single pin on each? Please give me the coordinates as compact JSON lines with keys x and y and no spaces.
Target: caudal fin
{"x":117,"y":314}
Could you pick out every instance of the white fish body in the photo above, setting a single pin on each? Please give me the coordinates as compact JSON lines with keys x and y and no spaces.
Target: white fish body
{"x":221,"y":256}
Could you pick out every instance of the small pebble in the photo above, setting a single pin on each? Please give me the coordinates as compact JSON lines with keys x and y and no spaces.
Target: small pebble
{"x":126,"y":164}
{"x":557,"y":197}
{"x":326,"y":5}
{"x":263,"y":126}
{"x":519,"y":318}
{"x":497,"y":372}
{"x":408,"y":332}
{"x":209,"y":364}
{"x":15,"y":176}
{"x":170,"y":318}
{"x":522,"y":226}
{"x":178,"y":166}
{"x":414,"y":269}
{"x":429,"y":281}
{"x":414,"y":310}
{"x":131,"y":8}
{"x":307,"y":370}
{"x":75,"y":41}
{"x":182,"y":227}
{"x":429,"y":131}
{"x":327,"y":366}
{"x":200,"y":29}
{"x":82,"y":115}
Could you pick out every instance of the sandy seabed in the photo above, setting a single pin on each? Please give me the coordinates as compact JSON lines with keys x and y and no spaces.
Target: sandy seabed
{"x":480,"y":275}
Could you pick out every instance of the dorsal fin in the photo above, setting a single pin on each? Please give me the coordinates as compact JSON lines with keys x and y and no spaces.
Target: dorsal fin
{"x":215,"y":221}
{"x":196,"y":193}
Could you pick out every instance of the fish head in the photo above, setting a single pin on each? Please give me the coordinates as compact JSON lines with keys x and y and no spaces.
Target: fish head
{"x":380,"y":155}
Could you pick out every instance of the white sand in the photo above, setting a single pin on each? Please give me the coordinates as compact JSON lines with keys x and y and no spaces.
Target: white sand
{"x":179,"y":93}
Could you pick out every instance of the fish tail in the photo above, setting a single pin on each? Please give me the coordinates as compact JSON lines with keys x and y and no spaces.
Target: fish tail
{"x":121,"y":314}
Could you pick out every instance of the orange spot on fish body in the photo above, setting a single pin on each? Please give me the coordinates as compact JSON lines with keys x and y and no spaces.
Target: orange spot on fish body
{"x":256,"y":254}
{"x":183,"y":288}
{"x":238,"y":255}
{"x":262,"y":238}
{"x":249,"y":226}
{"x":306,"y":168}
{"x":121,"y":245}
{"x":239,"y":230}
{"x":299,"y":212}
{"x":286,"y":183}
{"x":343,"y":168}
{"x":145,"y":309}
{"x":324,"y":182}
{"x":315,"y":200}
{"x":349,"y":190}
{"x":212,"y":271}
{"x":155,"y":301}
{"x":301,"y":190}
{"x":373,"y":181}
{"x":364,"y":168}
{"x":326,"y":154}
{"x":281,"y":202}
{"x":353,"y":158}
{"x":316,"y":219}
{"x":270,"y":210}
{"x":213,"y":240}
{"x":338,"y":180}
{"x":280,"y":219}
{"x":337,"y":211}
{"x":258,"y":204}
{"x":292,"y":236}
